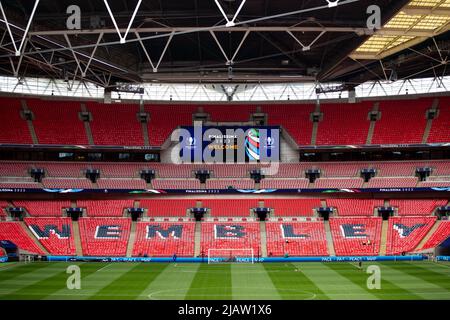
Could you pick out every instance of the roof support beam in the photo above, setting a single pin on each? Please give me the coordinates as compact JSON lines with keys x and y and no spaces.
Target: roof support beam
{"x":230,"y":23}
{"x":122,"y":38}
{"x":154,"y":67}
{"x":18,"y":50}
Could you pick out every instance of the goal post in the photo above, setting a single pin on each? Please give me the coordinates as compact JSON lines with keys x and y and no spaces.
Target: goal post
{"x":230,"y":256}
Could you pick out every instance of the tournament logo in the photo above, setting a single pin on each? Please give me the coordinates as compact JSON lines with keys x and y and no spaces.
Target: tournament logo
{"x":252,"y":144}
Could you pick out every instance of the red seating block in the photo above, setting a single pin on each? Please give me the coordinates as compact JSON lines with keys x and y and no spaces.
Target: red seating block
{"x":402,"y":121}
{"x":405,"y":233}
{"x":440,"y":130}
{"x":13,"y":128}
{"x":416,"y":207}
{"x":356,"y":236}
{"x":13,"y":231}
{"x":338,"y":118}
{"x":293,"y":207}
{"x":312,"y":243}
{"x":167,"y":207}
{"x":235,"y":183}
{"x":115,"y":124}
{"x":113,"y":244}
{"x":57,"y":122}
{"x":440,"y":234}
{"x":174,"y":238}
{"x":230,"y":207}
{"x":284,"y":183}
{"x":105,"y":208}
{"x":355,"y":207}
{"x":392,"y":182}
{"x":43,"y":208}
{"x":230,"y":235}
{"x":57,"y":242}
{"x":338,"y":183}
{"x":176,"y":184}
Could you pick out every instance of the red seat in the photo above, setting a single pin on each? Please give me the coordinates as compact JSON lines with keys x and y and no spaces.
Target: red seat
{"x":439,"y":235}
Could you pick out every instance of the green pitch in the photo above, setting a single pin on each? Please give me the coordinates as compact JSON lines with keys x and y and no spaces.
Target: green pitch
{"x":399,"y":280}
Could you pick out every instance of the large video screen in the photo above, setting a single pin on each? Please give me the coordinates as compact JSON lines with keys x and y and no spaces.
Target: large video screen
{"x":218,"y":144}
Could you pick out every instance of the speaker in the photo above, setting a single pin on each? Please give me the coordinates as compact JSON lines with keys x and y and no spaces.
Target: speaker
{"x":324,"y":212}
{"x":74,"y":213}
{"x":16,"y":213}
{"x":198,"y":213}
{"x":202,"y":175}
{"x":135,"y":213}
{"x":93,"y":174}
{"x":148,"y":175}
{"x":262,"y":213}
{"x":256,"y":175}
{"x":385,"y":212}
{"x":37,"y":174}
{"x":312,"y":174}
{"x":368,"y":174}
{"x":423,"y":173}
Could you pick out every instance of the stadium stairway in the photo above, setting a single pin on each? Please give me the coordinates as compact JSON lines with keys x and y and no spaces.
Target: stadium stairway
{"x":315,"y":127}
{"x":288,"y":152}
{"x":197,"y":239}
{"x":330,"y":243}
{"x":87,"y":126}
{"x":428,"y":235}
{"x":429,"y":124}
{"x":131,"y":238}
{"x":77,"y":238}
{"x":372,"y":125}
{"x":384,"y":234}
{"x":144,"y":127}
{"x":30,"y":124}
{"x":33,"y":238}
{"x":262,"y":228}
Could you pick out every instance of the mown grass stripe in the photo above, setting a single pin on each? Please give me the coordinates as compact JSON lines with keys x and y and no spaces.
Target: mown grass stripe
{"x":172,"y":283}
{"x":131,"y":284}
{"x":335,"y":285}
{"x":20,"y":269}
{"x":41,"y":289}
{"x":436,"y":278}
{"x":291,"y":283}
{"x":94,"y":282}
{"x":16,"y":279}
{"x":211,"y":282}
{"x":388,"y":289}
{"x":252,"y":282}
{"x":416,"y":286}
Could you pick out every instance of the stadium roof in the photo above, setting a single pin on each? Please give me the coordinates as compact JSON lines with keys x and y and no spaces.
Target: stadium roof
{"x":189,"y":41}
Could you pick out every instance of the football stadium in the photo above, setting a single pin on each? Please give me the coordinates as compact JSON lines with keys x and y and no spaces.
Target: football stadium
{"x":224,"y":150}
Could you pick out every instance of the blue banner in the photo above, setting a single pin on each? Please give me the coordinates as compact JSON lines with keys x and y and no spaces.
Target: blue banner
{"x":268,"y":259}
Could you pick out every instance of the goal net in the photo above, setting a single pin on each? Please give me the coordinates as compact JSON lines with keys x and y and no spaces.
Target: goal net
{"x":230,"y":256}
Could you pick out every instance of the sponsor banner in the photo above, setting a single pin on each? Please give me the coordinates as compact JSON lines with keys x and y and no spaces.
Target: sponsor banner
{"x":223,"y":191}
{"x":271,"y":259}
{"x":443,"y":258}
{"x":3,"y":259}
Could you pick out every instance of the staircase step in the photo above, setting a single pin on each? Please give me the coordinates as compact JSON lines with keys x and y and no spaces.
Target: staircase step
{"x":77,"y":238}
{"x":197,"y":239}
{"x":372,"y":125}
{"x":384,"y":233}
{"x":262,"y":227}
{"x":131,"y":239}
{"x":87,"y":127}
{"x":330,"y":243}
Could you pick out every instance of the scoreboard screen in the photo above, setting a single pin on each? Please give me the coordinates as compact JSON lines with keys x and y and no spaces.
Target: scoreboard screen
{"x":217,"y":144}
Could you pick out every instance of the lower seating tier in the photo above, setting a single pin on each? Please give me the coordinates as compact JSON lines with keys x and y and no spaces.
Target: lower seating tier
{"x":154,"y":239}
